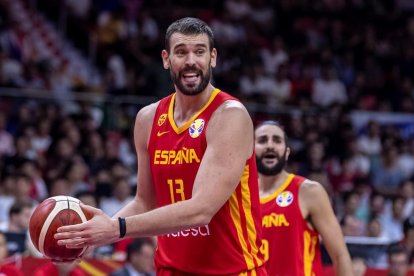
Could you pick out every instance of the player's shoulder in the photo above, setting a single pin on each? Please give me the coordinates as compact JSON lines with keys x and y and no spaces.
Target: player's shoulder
{"x":311,"y":188}
{"x":147,"y":113}
{"x":232,"y":108}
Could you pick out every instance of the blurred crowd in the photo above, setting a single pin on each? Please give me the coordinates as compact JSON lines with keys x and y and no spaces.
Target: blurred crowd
{"x":325,"y":58}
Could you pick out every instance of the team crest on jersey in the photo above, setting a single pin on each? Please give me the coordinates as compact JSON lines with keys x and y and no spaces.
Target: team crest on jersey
{"x":284,"y":199}
{"x":161,"y":119}
{"x":196,"y":128}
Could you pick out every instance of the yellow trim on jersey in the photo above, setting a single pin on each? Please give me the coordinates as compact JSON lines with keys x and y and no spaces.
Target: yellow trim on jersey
{"x":247,"y":207}
{"x":235,"y":215}
{"x":246,"y":273}
{"x":179,"y":130}
{"x":91,"y":269}
{"x":249,"y":257}
{"x":278,"y":191}
{"x":309,"y":251}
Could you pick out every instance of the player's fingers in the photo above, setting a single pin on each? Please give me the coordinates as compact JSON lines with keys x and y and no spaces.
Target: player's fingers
{"x":73,"y":242}
{"x":90,"y":208}
{"x":71,"y":234}
{"x":72,"y":228}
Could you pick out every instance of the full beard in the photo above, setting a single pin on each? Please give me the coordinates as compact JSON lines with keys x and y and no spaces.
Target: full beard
{"x":274,"y":170}
{"x":191,"y":90}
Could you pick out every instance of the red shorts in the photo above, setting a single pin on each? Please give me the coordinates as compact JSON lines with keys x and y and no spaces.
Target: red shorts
{"x":161,"y":271}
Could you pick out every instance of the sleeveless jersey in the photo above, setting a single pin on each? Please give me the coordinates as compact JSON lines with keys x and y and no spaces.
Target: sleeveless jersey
{"x":290,"y":246}
{"x":230,"y":243}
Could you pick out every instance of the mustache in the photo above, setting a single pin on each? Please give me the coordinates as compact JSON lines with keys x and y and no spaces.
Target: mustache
{"x":190,"y":69}
{"x":272,"y":152}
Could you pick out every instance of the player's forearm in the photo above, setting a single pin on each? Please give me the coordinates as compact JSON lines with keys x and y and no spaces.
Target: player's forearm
{"x":134,"y":207}
{"x":343,"y":265}
{"x":168,"y":219}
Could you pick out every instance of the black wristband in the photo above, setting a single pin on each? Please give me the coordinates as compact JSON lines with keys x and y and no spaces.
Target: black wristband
{"x":122,"y":227}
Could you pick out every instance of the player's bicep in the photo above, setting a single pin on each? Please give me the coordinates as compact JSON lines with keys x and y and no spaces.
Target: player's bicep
{"x":229,"y":144}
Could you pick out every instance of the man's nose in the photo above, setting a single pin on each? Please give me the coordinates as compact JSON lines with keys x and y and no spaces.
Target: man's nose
{"x":190,"y":60}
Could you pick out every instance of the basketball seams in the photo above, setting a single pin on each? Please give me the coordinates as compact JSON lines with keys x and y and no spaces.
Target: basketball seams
{"x":65,"y":198}
{"x":59,"y":206}
{"x":62,"y":203}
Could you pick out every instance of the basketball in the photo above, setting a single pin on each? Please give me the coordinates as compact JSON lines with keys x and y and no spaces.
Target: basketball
{"x":48,"y":216}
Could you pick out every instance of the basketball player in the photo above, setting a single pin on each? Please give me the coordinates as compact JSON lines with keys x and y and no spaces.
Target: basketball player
{"x":295,"y":211}
{"x":197,"y":178}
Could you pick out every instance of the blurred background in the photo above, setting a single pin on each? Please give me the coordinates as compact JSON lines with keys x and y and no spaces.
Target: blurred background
{"x":337,"y":73}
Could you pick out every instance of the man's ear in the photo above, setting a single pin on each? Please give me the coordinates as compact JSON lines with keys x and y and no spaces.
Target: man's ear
{"x":214,"y":58}
{"x":287,"y":153}
{"x":164,"y":56}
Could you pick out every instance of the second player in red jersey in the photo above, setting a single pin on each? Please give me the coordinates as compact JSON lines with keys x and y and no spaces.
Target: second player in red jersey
{"x":295,"y":211}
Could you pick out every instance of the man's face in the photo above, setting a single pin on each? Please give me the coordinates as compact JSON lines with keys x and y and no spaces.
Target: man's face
{"x":271,"y":149}
{"x":190,"y":62}
{"x":22,"y":219}
{"x":398,"y":264}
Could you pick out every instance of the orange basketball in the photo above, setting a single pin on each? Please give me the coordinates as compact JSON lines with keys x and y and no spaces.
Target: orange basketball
{"x":48,"y":216}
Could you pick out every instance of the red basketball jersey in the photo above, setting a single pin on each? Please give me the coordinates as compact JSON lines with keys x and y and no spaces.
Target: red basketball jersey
{"x":229,"y":244}
{"x":290,"y":246}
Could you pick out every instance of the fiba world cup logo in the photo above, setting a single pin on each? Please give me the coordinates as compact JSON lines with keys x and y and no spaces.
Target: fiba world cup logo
{"x":284,"y":199}
{"x":196,"y":128}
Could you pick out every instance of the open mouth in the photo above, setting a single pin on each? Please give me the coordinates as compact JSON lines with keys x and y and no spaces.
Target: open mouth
{"x":270,"y":158}
{"x":190,"y":77}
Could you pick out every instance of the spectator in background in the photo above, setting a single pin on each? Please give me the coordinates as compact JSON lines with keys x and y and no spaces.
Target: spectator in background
{"x":370,"y":143}
{"x":254,"y":85}
{"x":140,"y":259}
{"x":88,"y":198}
{"x":328,"y":89}
{"x":377,"y":204}
{"x":408,"y":239}
{"x":6,"y":197}
{"x":7,"y":268}
{"x":387,"y":176}
{"x":19,"y":216}
{"x":392,"y":221}
{"x":77,"y":173}
{"x":406,"y":158}
{"x":351,"y":226}
{"x":22,"y":152}
{"x":6,"y":139}
{"x":407,"y":192}
{"x":359,"y":162}
{"x":274,"y":56}
{"x":359,"y":266}
{"x":59,"y":186}
{"x":398,"y":264}
{"x":375,"y":229}
{"x":121,"y":195}
{"x":281,"y":92}
{"x":38,"y":190}
{"x":16,"y":228}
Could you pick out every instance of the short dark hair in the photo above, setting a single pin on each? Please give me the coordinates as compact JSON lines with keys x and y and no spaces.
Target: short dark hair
{"x":136,"y":245}
{"x":396,"y":248}
{"x":408,"y":224}
{"x":18,"y":207}
{"x":274,"y":123}
{"x":189,"y":26}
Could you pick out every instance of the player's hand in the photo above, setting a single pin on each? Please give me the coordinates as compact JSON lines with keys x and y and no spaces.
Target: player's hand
{"x":99,"y":230}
